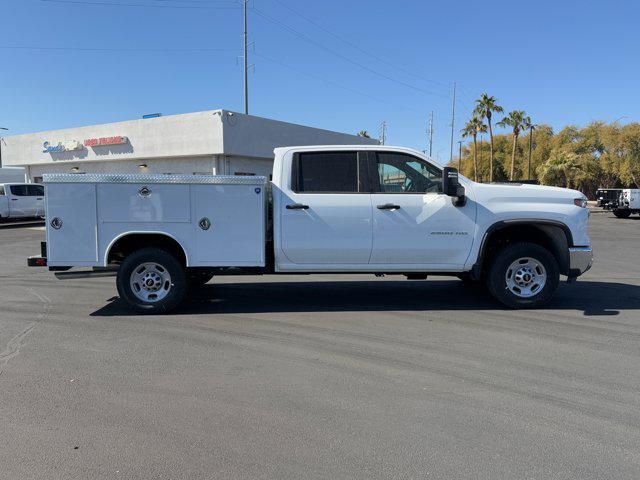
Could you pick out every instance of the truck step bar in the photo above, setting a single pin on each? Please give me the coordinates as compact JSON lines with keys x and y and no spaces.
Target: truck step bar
{"x":97,"y":272}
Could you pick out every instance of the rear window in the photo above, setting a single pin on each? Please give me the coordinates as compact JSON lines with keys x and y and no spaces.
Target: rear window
{"x":324,"y":172}
{"x":18,"y":190}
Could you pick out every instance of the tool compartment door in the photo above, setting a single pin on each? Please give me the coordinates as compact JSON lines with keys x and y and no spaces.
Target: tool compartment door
{"x":74,"y":243}
{"x":228,"y":225}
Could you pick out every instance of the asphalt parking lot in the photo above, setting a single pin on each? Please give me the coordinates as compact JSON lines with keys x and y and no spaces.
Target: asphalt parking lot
{"x":322,"y":376}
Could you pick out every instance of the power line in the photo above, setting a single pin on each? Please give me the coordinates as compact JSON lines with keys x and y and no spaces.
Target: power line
{"x":335,"y":84}
{"x":143,"y":5}
{"x":88,"y":49}
{"x":360,"y":49}
{"x":343,"y":57}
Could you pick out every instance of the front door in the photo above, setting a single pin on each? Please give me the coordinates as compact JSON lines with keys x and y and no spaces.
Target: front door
{"x":325,"y":211}
{"x":36,"y":194}
{"x":414,"y":223}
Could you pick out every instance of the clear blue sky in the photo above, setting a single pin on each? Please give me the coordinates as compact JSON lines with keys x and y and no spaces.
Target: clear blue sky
{"x":358,"y":63}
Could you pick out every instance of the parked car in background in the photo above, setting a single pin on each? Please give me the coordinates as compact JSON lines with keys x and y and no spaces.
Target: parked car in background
{"x":621,"y":201}
{"x":607,"y":198}
{"x":628,"y":203}
{"x":21,"y":200}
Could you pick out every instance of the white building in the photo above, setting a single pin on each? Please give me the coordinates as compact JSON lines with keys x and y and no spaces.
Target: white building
{"x":11,"y":175}
{"x":212,"y":142}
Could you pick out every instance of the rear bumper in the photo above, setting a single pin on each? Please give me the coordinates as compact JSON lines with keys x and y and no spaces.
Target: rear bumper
{"x":39,"y":260}
{"x":580,"y":260}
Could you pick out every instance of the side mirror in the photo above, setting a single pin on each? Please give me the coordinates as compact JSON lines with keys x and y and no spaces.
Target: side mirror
{"x":451,"y":187}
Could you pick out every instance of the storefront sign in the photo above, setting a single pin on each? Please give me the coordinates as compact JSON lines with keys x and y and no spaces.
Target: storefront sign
{"x":67,"y":146}
{"x":104,"y":141}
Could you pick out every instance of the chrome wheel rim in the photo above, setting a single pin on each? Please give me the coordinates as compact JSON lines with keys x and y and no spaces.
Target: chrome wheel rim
{"x":526,"y":277}
{"x":150,"y":282}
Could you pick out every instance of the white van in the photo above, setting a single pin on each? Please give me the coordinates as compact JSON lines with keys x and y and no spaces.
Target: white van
{"x":21,"y":200}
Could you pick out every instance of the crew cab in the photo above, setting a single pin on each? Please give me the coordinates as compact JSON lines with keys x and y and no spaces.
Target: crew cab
{"x":18,"y":200}
{"x":341,"y":209}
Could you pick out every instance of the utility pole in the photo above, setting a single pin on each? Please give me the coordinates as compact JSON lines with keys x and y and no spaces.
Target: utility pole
{"x":453,"y":119}
{"x":459,"y":155}
{"x":383,"y":133}
{"x":246,"y":64}
{"x":431,"y":133}
{"x":530,"y":148}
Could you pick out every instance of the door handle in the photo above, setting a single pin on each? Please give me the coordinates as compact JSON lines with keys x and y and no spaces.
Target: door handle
{"x":388,"y":206}
{"x":297,"y":206}
{"x":14,"y":199}
{"x":39,"y":198}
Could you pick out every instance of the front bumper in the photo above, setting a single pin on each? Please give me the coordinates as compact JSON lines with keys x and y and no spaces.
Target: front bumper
{"x":580,"y":260}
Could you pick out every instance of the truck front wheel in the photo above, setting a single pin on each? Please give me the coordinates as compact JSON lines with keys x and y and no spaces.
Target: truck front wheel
{"x":152,"y":280}
{"x":523,"y":275}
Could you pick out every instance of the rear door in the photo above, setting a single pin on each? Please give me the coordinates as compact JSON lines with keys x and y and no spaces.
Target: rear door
{"x":414,"y":223}
{"x":325,"y":210}
{"x":19,"y":205}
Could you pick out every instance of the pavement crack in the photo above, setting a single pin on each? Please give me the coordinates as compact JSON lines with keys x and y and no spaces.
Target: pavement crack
{"x":12,"y":349}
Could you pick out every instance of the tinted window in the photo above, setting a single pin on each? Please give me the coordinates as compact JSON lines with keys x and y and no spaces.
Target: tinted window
{"x":400,"y":173}
{"x":19,"y":190}
{"x":35,"y":190}
{"x":326,"y":172}
{"x":1,"y":189}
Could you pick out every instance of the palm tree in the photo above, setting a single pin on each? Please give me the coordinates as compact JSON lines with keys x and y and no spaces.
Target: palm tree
{"x":529,"y":125}
{"x":363,"y":133}
{"x":517,"y":120}
{"x":471,"y":129}
{"x":485,"y":106}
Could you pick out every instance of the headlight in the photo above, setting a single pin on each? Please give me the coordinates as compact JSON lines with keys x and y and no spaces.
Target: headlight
{"x":580,"y":202}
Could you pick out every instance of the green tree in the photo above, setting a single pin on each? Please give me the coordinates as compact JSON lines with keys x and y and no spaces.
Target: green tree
{"x":517,"y":120}
{"x":364,"y":133}
{"x":485,"y":107}
{"x":561,"y":169}
{"x":471,"y":129}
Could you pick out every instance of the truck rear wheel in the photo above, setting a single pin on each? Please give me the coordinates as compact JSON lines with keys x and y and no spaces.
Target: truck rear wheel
{"x":624,"y":213}
{"x":152,"y":280}
{"x":523,"y":275}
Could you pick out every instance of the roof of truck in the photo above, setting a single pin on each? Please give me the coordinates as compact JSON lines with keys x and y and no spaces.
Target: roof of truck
{"x":378,"y":148}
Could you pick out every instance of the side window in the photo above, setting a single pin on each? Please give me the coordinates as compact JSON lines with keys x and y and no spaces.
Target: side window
{"x":1,"y":190}
{"x":402,"y":173}
{"x":19,"y":190}
{"x":35,"y":190}
{"x":326,"y":172}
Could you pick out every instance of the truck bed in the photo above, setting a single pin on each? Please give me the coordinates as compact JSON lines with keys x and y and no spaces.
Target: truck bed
{"x":220,"y":221}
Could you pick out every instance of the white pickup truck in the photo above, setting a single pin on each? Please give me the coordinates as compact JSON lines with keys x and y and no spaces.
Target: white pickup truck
{"x":19,"y":200}
{"x":341,"y":209}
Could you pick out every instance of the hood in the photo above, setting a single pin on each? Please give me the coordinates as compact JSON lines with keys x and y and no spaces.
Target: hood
{"x":520,"y":192}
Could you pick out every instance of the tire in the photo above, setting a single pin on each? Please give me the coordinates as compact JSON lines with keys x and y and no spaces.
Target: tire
{"x":152,"y":280}
{"x":198,"y":278}
{"x":523,"y":275}
{"x":622,"y":213}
